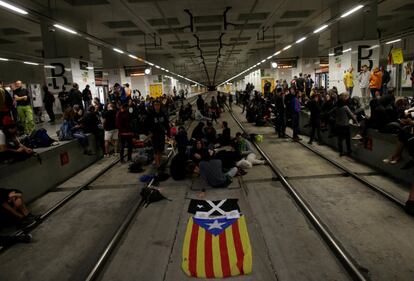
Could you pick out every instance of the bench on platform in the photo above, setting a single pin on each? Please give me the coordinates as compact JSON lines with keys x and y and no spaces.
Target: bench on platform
{"x":58,"y":163}
{"x":383,"y":145}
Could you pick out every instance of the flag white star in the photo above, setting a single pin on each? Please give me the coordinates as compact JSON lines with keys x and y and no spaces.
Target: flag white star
{"x":200,"y":206}
{"x":215,"y":225}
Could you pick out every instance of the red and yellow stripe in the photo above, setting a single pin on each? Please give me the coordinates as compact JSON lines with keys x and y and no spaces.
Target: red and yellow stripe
{"x":224,"y":255}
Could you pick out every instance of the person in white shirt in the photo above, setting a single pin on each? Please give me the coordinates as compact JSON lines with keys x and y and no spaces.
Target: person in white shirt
{"x":363,"y":79}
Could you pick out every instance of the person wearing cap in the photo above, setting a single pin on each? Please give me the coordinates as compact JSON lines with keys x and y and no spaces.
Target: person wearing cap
{"x":10,"y":147}
{"x":24,"y":108}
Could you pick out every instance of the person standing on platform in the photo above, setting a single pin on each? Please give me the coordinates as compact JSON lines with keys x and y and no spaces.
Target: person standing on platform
{"x":281,"y":114}
{"x":200,"y":103}
{"x":300,"y":84}
{"x":363,"y":79}
{"x":6,"y":103}
{"x":75,"y":96}
{"x":375,"y":81}
{"x":64,"y":99}
{"x":24,"y":109}
{"x":49,"y":100}
{"x":315,"y":108}
{"x":124,"y":125}
{"x":87,"y":96}
{"x":111,"y":131}
{"x":386,"y":78}
{"x":128,"y":91}
{"x":349,"y":81}
{"x":309,"y":85}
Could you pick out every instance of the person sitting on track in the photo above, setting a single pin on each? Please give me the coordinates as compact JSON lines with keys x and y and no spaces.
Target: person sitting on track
{"x":211,"y":171}
{"x":243,"y":148}
{"x":13,"y":210}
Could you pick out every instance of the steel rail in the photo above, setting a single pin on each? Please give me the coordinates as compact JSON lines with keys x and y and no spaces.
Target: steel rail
{"x":341,"y":254}
{"x":116,"y":238}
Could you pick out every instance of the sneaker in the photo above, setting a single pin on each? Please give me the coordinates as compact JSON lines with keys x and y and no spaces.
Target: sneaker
{"x":357,"y":137}
{"x":392,"y":162}
{"x":386,"y":160}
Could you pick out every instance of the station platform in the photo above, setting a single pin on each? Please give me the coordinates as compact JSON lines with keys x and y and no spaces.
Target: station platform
{"x":285,"y":244}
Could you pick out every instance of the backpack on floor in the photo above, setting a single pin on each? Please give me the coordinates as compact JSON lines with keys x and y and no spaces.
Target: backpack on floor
{"x":150,"y":195}
{"x":40,"y":138}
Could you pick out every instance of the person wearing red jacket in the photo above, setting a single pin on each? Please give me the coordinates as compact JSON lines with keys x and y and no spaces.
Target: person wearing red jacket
{"x":123,"y":123}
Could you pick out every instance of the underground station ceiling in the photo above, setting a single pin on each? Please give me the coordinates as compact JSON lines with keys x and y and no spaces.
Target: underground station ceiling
{"x":207,"y":41}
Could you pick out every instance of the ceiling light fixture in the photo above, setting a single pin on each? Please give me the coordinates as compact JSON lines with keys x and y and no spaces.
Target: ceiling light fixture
{"x":269,"y":57}
{"x":347,"y":50}
{"x":352,"y":11}
{"x":31,"y":63}
{"x":300,"y":40}
{"x":50,"y":66}
{"x":13,"y":8}
{"x":287,"y":47}
{"x":393,"y":41}
{"x":147,"y":71}
{"x":320,"y":28}
{"x":331,"y":54}
{"x":274,"y":64}
{"x":64,"y":28}
{"x":132,"y":56}
{"x":277,"y":53}
{"x":118,"y":50}
{"x":4,"y":59}
{"x":89,"y":67}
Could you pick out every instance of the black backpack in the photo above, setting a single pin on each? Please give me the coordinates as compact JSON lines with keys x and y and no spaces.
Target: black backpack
{"x":135,"y":167}
{"x":40,"y":138}
{"x":150,"y":195}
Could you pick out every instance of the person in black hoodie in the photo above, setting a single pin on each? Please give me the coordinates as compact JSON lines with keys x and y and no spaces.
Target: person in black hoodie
{"x":198,"y":132}
{"x":225,"y":137}
{"x":315,"y":109}
{"x":281,"y":114}
{"x":200,"y":103}
{"x":198,"y":152}
{"x":158,"y":125}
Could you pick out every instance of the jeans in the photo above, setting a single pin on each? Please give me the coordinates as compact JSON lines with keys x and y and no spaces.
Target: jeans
{"x":350,"y":89}
{"x":365,"y":96}
{"x":316,"y":129}
{"x":49,"y":110}
{"x":295,"y":124}
{"x":25,"y":114}
{"x":281,"y":125}
{"x":126,"y":140}
{"x":232,"y":172}
{"x":344,"y":133}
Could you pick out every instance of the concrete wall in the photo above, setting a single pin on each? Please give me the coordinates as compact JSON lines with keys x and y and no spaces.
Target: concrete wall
{"x":35,"y":178}
{"x":383,"y":145}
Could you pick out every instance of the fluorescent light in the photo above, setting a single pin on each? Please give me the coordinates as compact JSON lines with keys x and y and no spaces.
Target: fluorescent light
{"x":89,"y":67}
{"x":263,"y":61}
{"x":274,"y":64}
{"x":287,"y":47}
{"x":352,"y":11}
{"x":31,"y":63}
{"x":118,"y":50}
{"x":300,"y":40}
{"x":373,"y":47}
{"x":162,"y":68}
{"x":393,"y":41}
{"x":64,"y":28}
{"x":277,"y":53}
{"x":320,"y":28}
{"x":13,"y":8}
{"x":269,"y":57}
{"x":147,"y":71}
{"x":157,"y":66}
{"x":347,"y":50}
{"x":331,"y":54}
{"x":150,"y":63}
{"x":132,"y":56}
{"x":167,"y":70}
{"x":50,"y":66}
{"x":4,"y":59}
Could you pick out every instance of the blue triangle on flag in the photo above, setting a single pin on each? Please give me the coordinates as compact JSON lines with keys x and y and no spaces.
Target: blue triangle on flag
{"x":214,"y":225}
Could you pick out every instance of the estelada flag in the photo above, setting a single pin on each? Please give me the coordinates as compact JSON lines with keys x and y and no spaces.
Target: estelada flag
{"x":217,"y":248}
{"x":213,"y":208}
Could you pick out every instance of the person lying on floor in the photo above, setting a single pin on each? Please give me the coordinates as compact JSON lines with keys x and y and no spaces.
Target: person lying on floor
{"x":244,"y":149}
